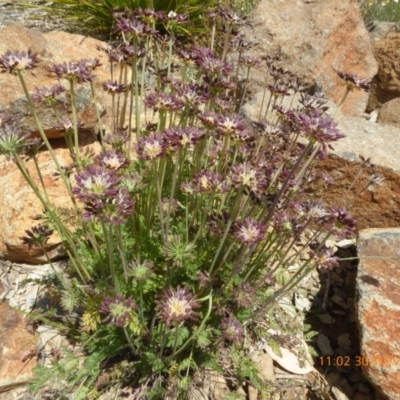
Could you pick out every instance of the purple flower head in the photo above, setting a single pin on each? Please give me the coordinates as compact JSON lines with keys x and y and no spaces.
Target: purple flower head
{"x":230,"y":17}
{"x":149,"y":16}
{"x":250,"y":231}
{"x":210,"y":119}
{"x":150,"y":147}
{"x":47,"y":95}
{"x":177,"y":306}
{"x":324,"y":257}
{"x":68,"y":125}
{"x":112,"y":159}
{"x":192,"y":95}
{"x":189,"y":188}
{"x":18,"y":61}
{"x":186,"y":57}
{"x":72,"y":71}
{"x":246,"y":175}
{"x":113,"y":87}
{"x":224,"y":106}
{"x":218,"y":84}
{"x":232,"y":329}
{"x":120,"y":310}
{"x":114,"y":54}
{"x":176,"y":137}
{"x":318,"y":127}
{"x":37,"y":236}
{"x":130,"y":52}
{"x":278,"y":89}
{"x":174,"y":17}
{"x":115,"y":209}
{"x":249,"y":62}
{"x":95,"y":183}
{"x":213,"y":66}
{"x":230,"y":124}
{"x":354,"y":82}
{"x":315,"y":210}
{"x":90,"y":63}
{"x":211,"y":182}
{"x":162,"y":101}
{"x":312,"y":102}
{"x":134,"y":27}
{"x":245,"y":295}
{"x":241,"y":44}
{"x":340,"y":222}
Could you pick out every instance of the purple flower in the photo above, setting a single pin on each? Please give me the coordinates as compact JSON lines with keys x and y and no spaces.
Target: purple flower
{"x":150,"y":147}
{"x":174,"y":17}
{"x":95,"y":183}
{"x":47,"y":95}
{"x":37,"y":236}
{"x":176,"y":137}
{"x":72,"y":71}
{"x":354,"y":82}
{"x":340,"y":222}
{"x":278,"y":90}
{"x":245,"y":295}
{"x":177,"y":306}
{"x":230,"y":124}
{"x":249,"y":62}
{"x":318,"y":127}
{"x":324,"y":257}
{"x":162,"y":101}
{"x":246,"y":175}
{"x":134,"y":27}
{"x":90,"y":63}
{"x":211,"y":182}
{"x":230,"y":16}
{"x":113,"y":87}
{"x":112,"y":159}
{"x":114,"y":54}
{"x":210,"y":119}
{"x":120,"y":310}
{"x":115,"y":208}
{"x":18,"y":61}
{"x":192,"y":95}
{"x":131,"y":53}
{"x":149,"y":16}
{"x":232,"y":329}
{"x":250,"y":231}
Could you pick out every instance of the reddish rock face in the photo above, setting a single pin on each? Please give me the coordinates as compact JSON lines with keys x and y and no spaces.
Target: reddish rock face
{"x":16,"y":342}
{"x":314,"y":38}
{"x":378,"y":284}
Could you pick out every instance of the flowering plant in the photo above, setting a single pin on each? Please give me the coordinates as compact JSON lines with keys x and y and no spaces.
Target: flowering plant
{"x":190,"y":212}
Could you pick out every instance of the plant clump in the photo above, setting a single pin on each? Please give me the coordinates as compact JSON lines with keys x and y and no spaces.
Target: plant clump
{"x":192,"y":215}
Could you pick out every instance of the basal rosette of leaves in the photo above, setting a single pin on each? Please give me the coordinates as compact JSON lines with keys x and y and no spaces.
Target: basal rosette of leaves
{"x":188,"y":222}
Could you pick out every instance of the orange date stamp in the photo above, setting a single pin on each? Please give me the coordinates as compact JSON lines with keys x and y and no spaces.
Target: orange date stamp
{"x":358,"y":361}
